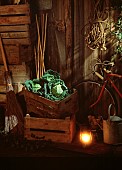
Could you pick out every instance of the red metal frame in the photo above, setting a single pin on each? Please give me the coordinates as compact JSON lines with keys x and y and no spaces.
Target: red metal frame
{"x":106,"y":79}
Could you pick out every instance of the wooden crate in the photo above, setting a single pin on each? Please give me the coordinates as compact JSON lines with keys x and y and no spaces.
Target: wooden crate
{"x":16,"y":25}
{"x":55,"y":130}
{"x":43,"y":107}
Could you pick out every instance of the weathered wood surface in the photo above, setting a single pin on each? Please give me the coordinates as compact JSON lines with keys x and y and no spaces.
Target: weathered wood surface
{"x":17,"y":24}
{"x":15,"y":35}
{"x":53,"y":109}
{"x":2,"y":88}
{"x":12,"y":28}
{"x":60,"y":35}
{"x":17,"y":54}
{"x":9,"y":20}
{"x":13,"y":41}
{"x":12,"y":54}
{"x":2,"y":97}
{"x":15,"y":9}
{"x":56,"y":130}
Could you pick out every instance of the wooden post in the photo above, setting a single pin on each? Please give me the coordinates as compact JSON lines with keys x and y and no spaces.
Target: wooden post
{"x":69,"y":43}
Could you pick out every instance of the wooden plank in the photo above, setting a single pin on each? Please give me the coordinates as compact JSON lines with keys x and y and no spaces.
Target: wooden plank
{"x":41,"y":110}
{"x":12,"y":28}
{"x":23,"y":41}
{"x":41,"y":99}
{"x":15,"y":23}
{"x":20,"y":79}
{"x":26,"y":53}
{"x":2,"y":88}
{"x":13,"y":20}
{"x":47,"y":124}
{"x":55,"y":137}
{"x":15,"y":35}
{"x":2,"y":79}
{"x":15,"y":9}
{"x":17,"y":54}
{"x":15,"y":69}
{"x":12,"y":54}
{"x":18,"y":69}
{"x":69,"y":42}
{"x":2,"y":97}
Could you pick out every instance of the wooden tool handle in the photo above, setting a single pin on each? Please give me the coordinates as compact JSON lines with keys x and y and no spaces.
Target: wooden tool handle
{"x":8,"y":77}
{"x":3,"y":54}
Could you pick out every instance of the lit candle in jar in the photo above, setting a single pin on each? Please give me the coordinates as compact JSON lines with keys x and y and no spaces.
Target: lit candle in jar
{"x":86,"y":138}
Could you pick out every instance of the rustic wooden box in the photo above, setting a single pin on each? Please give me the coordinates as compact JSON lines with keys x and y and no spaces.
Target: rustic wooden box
{"x":42,"y":107}
{"x":16,"y":25}
{"x":55,"y":130}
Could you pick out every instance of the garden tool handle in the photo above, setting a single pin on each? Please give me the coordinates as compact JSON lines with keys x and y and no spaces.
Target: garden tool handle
{"x":3,"y":55}
{"x":8,"y":77}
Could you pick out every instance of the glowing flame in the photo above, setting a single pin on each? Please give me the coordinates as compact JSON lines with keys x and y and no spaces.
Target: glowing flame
{"x":86,"y":137}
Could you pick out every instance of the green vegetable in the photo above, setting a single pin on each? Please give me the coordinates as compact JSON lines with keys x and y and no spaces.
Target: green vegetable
{"x":49,"y":86}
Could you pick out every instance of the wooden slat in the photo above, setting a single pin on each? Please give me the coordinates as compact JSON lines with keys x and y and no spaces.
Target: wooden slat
{"x":26,"y":50}
{"x":23,"y":41}
{"x":20,"y":79}
{"x":56,"y":137}
{"x":13,"y":20}
{"x":15,"y":35}
{"x":47,"y":124}
{"x":12,"y":54}
{"x":2,"y":88}
{"x":18,"y":28}
{"x":2,"y":79}
{"x":15,"y":9}
{"x":2,"y":97}
{"x":15,"y":25}
{"x":17,"y":70}
{"x":50,"y":103}
{"x":69,"y":42}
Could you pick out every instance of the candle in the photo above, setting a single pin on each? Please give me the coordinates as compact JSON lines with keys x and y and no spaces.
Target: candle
{"x":85,"y":138}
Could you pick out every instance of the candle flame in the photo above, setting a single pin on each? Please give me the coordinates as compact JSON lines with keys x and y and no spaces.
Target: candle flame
{"x":85,"y":137}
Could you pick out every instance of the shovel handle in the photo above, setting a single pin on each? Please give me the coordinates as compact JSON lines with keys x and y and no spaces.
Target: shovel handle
{"x":3,"y":54}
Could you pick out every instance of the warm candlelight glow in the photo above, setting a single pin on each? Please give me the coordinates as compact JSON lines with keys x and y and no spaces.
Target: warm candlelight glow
{"x":86,"y":137}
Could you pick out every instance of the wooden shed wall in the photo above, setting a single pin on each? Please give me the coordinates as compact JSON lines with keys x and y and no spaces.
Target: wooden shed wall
{"x":59,"y":44}
{"x":66,"y":51}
